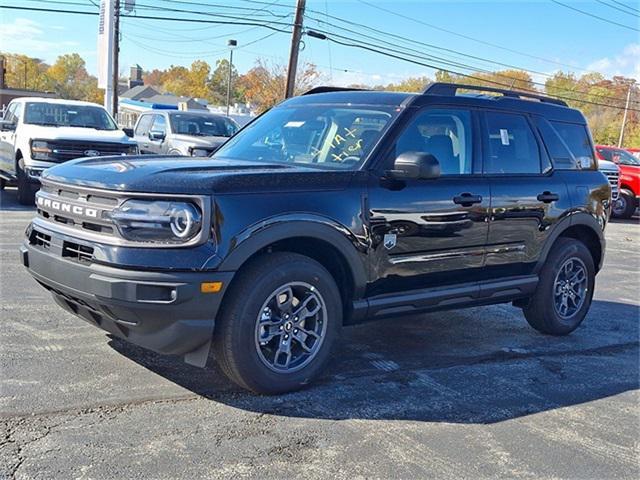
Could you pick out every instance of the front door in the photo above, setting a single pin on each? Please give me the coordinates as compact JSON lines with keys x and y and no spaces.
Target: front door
{"x":429,"y":233}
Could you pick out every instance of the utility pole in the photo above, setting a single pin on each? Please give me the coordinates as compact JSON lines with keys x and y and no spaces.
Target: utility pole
{"x":231,"y":44}
{"x":624,"y":117}
{"x":116,"y":54}
{"x":295,"y":49}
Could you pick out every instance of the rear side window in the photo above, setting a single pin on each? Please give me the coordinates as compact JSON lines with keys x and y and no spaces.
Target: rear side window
{"x":577,"y":141}
{"x":511,"y":145}
{"x":144,"y":125}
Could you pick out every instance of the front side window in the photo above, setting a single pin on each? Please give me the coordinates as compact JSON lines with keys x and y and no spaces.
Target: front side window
{"x":511,"y":145}
{"x":63,"y":115}
{"x":321,"y":136}
{"x":144,"y":125}
{"x":445,"y":134}
{"x":159,"y":124}
{"x":202,"y":125}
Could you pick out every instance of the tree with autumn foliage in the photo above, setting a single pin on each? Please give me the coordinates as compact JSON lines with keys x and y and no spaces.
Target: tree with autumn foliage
{"x":265,"y":83}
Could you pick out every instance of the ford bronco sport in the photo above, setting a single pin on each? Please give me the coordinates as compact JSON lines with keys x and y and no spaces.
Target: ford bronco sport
{"x":332,"y":208}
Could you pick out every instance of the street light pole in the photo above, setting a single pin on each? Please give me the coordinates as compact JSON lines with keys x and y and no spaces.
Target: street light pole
{"x":231,"y":44}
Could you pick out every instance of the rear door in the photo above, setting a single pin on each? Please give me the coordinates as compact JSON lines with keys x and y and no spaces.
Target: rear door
{"x":527,"y":195}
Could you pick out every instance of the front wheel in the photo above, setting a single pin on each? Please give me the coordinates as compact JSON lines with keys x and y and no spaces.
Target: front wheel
{"x":625,"y":205}
{"x":26,"y":194}
{"x":278,"y":323}
{"x":565,"y":289}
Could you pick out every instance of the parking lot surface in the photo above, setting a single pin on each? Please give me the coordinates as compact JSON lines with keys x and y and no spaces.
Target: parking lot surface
{"x":473,"y":393}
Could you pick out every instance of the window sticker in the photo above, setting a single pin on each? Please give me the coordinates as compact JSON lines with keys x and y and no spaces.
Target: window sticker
{"x":504,"y":136}
{"x":293,"y":124}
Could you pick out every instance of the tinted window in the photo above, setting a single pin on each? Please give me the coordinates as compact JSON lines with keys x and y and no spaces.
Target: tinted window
{"x":445,"y":134}
{"x":144,"y":125}
{"x":511,"y":145}
{"x":202,"y":125}
{"x":8,"y":114}
{"x":159,"y":124}
{"x":577,"y":140}
{"x":561,"y":157}
{"x":322,"y":136}
{"x":618,"y":155}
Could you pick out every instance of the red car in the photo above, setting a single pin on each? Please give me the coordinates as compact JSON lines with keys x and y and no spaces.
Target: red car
{"x":627,"y":201}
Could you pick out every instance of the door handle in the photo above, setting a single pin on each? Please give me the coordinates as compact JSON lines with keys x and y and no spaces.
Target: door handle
{"x":467,"y":199}
{"x":548,"y":197}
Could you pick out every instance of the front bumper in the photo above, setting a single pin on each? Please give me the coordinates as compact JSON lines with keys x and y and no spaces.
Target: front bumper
{"x":163,"y":311}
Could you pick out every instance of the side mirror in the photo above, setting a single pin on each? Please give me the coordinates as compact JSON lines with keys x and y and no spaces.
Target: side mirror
{"x":156,"y":135}
{"x":415,"y":165}
{"x":7,"y":126}
{"x":128,"y":132}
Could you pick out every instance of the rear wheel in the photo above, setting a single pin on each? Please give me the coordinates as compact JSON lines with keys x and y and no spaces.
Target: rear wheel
{"x":26,"y":193}
{"x":278,"y":323}
{"x":625,"y":205}
{"x":564,"y":292}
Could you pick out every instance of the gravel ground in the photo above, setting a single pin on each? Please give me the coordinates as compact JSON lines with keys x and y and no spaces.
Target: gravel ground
{"x":473,"y":393}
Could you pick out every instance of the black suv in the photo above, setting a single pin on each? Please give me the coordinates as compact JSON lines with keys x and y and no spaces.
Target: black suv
{"x":335,"y":207}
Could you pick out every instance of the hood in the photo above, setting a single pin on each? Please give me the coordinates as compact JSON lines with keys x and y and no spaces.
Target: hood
{"x":195,"y":141}
{"x":188,"y":175}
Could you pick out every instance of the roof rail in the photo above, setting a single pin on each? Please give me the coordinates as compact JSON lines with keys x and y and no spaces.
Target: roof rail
{"x":450,"y":89}
{"x":326,"y":89}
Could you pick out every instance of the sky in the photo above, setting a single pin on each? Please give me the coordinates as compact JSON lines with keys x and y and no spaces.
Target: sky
{"x":541,"y":36}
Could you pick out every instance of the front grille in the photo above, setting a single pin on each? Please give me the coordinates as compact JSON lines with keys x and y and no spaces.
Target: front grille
{"x":40,"y":239}
{"x":77,"y":209}
{"x":613,"y":178}
{"x":64,"y":150}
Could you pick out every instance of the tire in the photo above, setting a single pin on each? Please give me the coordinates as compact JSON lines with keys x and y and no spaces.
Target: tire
{"x":3,"y":183}
{"x":625,"y":205}
{"x":26,"y":193}
{"x":252,"y":323}
{"x":545,"y":310}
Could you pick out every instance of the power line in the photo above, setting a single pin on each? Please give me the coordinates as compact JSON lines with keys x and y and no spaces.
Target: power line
{"x":424,"y":64}
{"x":595,"y":16}
{"x":618,"y":8}
{"x":626,"y":6}
{"x":467,"y":37}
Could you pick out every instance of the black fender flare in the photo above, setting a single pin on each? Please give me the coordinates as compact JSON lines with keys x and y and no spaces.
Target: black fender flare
{"x":274,"y":229}
{"x":572,"y":220}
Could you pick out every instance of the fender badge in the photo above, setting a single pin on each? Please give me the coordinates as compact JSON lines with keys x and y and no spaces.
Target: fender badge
{"x":389,"y":241}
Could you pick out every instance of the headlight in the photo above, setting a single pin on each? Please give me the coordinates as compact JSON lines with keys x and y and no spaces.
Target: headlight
{"x":157,"y":221}
{"x":40,"y":150}
{"x":199,"y":152}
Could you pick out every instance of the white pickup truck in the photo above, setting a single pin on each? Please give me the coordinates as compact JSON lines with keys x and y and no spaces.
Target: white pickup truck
{"x":37,"y":133}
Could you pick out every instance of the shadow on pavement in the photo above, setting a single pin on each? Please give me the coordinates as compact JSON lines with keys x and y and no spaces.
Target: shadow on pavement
{"x":9,"y":201}
{"x":443,"y":368}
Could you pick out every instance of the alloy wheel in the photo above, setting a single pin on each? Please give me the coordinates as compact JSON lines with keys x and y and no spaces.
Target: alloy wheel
{"x":570,"y":288}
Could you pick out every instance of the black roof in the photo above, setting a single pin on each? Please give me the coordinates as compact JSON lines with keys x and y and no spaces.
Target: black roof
{"x":447,"y":94}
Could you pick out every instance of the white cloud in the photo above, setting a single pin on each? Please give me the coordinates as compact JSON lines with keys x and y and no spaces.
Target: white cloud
{"x":625,"y":63}
{"x":32,"y":39}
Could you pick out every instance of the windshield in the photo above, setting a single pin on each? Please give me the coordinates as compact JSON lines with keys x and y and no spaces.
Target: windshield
{"x":61,"y":115}
{"x":322,"y":136}
{"x":618,"y":156}
{"x":202,"y":125}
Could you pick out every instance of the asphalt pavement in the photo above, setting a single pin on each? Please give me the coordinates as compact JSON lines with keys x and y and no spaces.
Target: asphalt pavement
{"x":473,"y":393}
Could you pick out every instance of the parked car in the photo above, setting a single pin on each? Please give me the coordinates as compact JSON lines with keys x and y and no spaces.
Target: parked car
{"x":177,"y":132}
{"x":627,"y":201}
{"x":612,"y":171}
{"x":332,"y":208}
{"x":37,"y":133}
{"x":634,"y":151}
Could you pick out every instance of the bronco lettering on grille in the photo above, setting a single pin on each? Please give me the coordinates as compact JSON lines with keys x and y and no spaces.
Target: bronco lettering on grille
{"x":67,"y":207}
